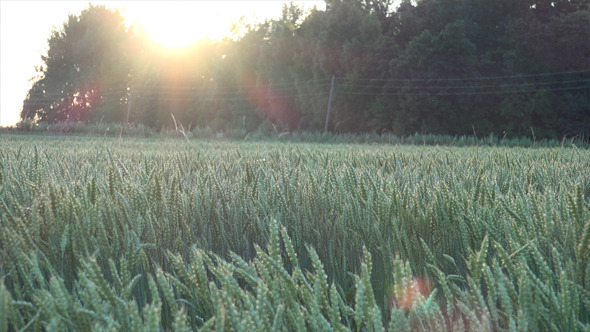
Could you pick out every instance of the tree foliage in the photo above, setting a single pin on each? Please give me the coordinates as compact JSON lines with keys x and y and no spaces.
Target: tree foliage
{"x":429,"y":66}
{"x":86,"y":72}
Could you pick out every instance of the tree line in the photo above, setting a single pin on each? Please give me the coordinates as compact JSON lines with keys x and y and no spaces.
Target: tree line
{"x":510,"y":68}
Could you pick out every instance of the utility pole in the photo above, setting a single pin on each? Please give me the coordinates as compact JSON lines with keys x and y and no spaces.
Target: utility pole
{"x":129,"y":103}
{"x":329,"y":105}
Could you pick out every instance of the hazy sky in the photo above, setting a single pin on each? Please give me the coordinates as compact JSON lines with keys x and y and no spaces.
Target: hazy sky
{"x":26,"y":25}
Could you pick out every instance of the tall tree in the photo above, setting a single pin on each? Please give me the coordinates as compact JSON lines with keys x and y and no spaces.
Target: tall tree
{"x":86,"y":71}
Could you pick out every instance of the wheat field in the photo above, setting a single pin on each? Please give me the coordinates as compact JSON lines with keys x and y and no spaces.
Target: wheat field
{"x":103,"y":233}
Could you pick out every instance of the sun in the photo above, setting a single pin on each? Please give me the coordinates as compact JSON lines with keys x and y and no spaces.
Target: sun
{"x":179,"y":24}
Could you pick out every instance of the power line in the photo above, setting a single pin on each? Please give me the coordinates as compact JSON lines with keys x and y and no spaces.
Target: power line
{"x":468,"y":79}
{"x":242,"y":98}
{"x":469,"y":93}
{"x":196,"y":90}
{"x":466,"y":87}
{"x":292,"y":90}
{"x":221,"y":90}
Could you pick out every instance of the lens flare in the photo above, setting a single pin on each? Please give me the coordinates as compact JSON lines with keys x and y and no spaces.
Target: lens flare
{"x":413,"y":293}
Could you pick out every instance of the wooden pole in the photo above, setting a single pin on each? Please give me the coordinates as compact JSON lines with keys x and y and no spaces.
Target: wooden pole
{"x":329,"y":105}
{"x":129,"y":103}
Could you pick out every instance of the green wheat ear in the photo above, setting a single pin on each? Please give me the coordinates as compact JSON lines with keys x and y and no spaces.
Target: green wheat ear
{"x":6,"y":308}
{"x":584,"y":245}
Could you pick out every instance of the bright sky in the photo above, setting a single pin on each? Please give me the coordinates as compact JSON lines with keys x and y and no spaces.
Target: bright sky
{"x":26,"y":25}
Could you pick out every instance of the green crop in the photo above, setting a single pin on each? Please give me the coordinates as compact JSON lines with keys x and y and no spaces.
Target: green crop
{"x":169,"y":234}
